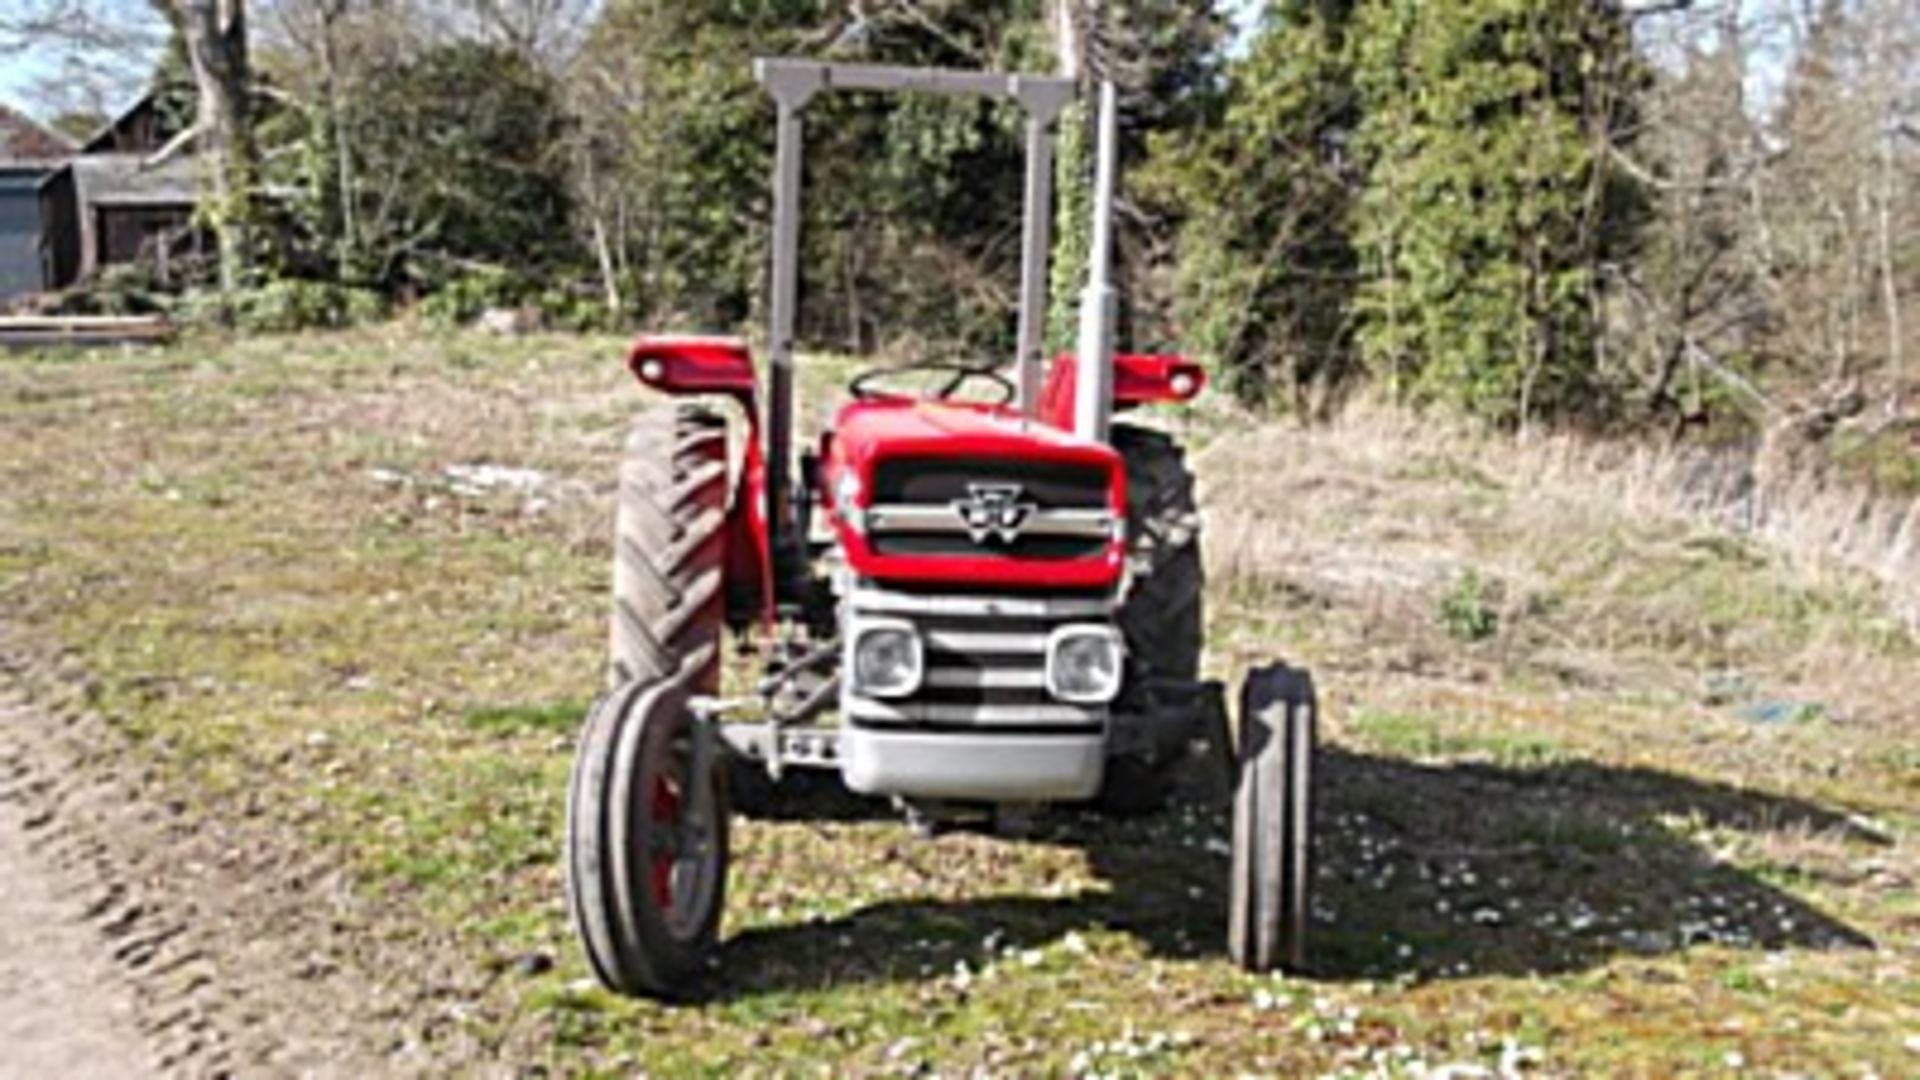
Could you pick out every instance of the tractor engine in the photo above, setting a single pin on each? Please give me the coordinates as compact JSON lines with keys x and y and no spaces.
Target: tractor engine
{"x":979,"y":558}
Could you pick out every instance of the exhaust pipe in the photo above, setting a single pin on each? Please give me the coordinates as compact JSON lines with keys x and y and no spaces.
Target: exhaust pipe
{"x":1099,"y":306}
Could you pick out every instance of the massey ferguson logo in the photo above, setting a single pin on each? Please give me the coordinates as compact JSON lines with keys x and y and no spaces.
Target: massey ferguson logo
{"x":993,"y":510}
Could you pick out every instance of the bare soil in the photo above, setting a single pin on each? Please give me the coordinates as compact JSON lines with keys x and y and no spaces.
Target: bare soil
{"x":62,"y":1012}
{"x":139,"y":939}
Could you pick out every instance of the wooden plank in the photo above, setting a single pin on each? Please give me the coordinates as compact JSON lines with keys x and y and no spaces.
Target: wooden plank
{"x":38,"y":331}
{"x":80,"y":322}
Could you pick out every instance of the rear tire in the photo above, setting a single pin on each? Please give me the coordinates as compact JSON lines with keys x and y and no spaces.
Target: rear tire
{"x":647,"y":850}
{"x":1162,"y":619}
{"x":1271,"y":891}
{"x":669,"y":548}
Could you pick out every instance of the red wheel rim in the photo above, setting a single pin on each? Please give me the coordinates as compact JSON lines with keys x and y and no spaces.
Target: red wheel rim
{"x":665,"y":811}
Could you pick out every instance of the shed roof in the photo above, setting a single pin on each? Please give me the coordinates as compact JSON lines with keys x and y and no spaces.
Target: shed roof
{"x":124,"y":180}
{"x":24,"y":142}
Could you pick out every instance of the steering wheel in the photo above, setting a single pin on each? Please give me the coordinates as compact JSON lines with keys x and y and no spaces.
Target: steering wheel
{"x":958,"y":374}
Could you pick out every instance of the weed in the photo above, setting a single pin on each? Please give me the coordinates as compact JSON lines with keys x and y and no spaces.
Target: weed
{"x":1468,"y":610}
{"x":560,"y":717}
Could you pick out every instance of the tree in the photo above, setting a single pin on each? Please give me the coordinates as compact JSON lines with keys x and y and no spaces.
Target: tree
{"x":1684,"y":313}
{"x":215,"y":35}
{"x":911,"y":234}
{"x":1489,"y":198}
{"x":1163,"y":57}
{"x":462,"y":153}
{"x":1773,"y":279}
{"x":1267,"y":267}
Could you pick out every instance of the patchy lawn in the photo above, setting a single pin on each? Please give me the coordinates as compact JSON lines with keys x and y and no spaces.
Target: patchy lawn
{"x":1606,"y":791}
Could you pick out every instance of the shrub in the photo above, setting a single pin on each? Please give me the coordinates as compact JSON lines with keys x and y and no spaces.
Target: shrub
{"x":285,"y":306}
{"x":1468,"y":611}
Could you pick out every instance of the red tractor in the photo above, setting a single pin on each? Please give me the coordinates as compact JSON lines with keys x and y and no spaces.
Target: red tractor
{"x":994,"y":588}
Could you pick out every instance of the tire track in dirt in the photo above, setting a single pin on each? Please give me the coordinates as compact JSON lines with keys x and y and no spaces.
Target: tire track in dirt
{"x":61,"y":1011}
{"x":173,"y":943}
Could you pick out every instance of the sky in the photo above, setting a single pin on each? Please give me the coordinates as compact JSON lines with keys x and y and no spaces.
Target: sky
{"x":29,"y":70}
{"x":26,"y":73}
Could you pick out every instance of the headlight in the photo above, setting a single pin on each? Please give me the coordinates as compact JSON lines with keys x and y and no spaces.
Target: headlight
{"x":1084,"y":664}
{"x":887,"y":660}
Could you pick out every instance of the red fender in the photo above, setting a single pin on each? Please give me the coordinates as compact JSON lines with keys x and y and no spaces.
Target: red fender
{"x":1138,"y":379}
{"x":689,"y":365}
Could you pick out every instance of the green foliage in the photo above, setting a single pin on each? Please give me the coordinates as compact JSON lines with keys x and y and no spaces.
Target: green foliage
{"x":175,"y":96}
{"x":912,"y":202}
{"x":461,"y":153}
{"x":1267,"y":268}
{"x":130,"y":289}
{"x":1073,"y":208}
{"x":459,"y":299}
{"x":1164,"y":58}
{"x":909,"y":203}
{"x":1469,"y":610}
{"x":1484,"y":207}
{"x":285,"y":306}
{"x":1411,"y":190}
{"x":1887,"y":461}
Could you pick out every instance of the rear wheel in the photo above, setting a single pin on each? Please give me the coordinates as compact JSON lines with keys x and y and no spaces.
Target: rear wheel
{"x":1270,"y":894}
{"x":669,"y":548}
{"x":647,"y":841}
{"x":1161,"y":619}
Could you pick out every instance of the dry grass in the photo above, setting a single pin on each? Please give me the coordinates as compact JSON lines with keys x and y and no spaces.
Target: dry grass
{"x":1821,"y":526}
{"x":1605,"y":561}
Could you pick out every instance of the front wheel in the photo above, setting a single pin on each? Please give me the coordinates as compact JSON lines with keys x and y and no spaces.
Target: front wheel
{"x":647,"y":839}
{"x":1270,"y":895}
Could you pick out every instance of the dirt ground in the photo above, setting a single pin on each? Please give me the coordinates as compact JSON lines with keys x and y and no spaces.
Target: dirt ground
{"x":133,"y":944}
{"x":62,"y":1013}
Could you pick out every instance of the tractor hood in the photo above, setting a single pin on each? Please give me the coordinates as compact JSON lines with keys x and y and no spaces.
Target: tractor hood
{"x":967,"y":495}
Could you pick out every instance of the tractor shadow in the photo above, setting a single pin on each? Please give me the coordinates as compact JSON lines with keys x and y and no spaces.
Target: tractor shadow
{"x":1429,"y":872}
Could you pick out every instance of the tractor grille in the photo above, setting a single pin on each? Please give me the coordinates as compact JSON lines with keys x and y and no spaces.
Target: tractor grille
{"x":985,"y":662}
{"x":1050,"y":484}
{"x":915,"y":511}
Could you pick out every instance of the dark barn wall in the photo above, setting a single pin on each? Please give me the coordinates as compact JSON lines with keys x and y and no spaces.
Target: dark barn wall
{"x":21,"y":264}
{"x":129,"y":233}
{"x":60,"y":211}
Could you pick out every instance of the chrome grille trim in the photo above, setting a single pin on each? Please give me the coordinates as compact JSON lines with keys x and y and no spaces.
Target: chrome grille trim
{"x":913,"y":518}
{"x":921,"y":712}
{"x":971,"y":641}
{"x":987,"y":678}
{"x":985,"y":657}
{"x":986,"y":607}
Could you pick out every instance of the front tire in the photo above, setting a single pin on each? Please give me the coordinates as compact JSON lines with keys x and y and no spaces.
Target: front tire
{"x":1271,"y":891}
{"x":647,"y":841}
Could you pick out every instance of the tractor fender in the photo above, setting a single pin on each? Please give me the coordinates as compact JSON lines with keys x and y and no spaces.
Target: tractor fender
{"x":686,"y":366}
{"x":1138,"y":379}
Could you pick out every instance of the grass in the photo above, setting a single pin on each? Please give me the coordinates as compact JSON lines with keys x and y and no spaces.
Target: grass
{"x":1552,"y":843}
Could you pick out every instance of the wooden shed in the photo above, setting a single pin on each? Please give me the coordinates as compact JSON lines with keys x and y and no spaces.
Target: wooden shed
{"x":114,"y":208}
{"x":108,"y":204}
